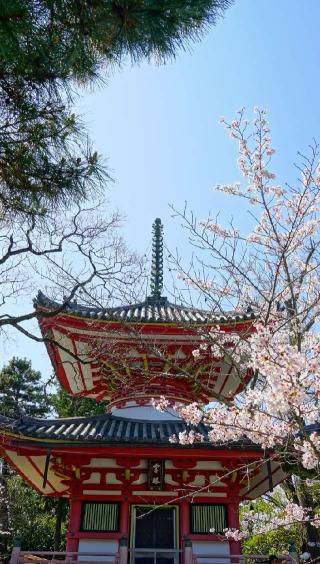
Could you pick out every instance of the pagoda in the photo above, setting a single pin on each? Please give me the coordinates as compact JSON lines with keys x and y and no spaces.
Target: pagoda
{"x":127,"y":484}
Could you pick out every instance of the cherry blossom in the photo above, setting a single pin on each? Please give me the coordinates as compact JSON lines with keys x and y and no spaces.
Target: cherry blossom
{"x":234,"y":534}
{"x":259,"y":523}
{"x":160,"y":404}
{"x":186,"y":438}
{"x":191,"y":413}
{"x":272,"y":269}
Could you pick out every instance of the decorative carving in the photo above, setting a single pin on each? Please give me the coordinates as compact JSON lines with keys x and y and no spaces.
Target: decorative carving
{"x":185,"y":476}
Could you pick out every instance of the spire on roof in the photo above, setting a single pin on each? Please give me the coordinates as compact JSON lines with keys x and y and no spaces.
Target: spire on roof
{"x":156,"y":283}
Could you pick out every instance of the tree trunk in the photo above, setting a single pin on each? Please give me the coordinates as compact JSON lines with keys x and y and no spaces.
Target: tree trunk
{"x":4,"y":509}
{"x":58,"y":525}
{"x":302,"y":495}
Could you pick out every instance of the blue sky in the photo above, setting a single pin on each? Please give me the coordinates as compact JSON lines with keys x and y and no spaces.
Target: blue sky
{"x":157,"y":126}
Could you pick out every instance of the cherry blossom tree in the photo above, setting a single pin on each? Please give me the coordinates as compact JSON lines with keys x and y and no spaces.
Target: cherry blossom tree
{"x":272,"y":270}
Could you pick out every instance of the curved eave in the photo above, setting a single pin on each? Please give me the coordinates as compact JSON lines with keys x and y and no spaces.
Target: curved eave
{"x":235,"y":448}
{"x":146,"y":313}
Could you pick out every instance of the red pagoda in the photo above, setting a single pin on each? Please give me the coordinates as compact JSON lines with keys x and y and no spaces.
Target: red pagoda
{"x":131,"y":490}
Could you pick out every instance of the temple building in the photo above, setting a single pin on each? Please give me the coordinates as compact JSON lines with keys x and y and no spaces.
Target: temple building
{"x":130,"y":488}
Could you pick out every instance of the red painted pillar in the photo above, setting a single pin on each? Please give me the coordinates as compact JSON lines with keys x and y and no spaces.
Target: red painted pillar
{"x":124,"y":519}
{"x":124,"y":530}
{"x":74,"y":525}
{"x":234,"y":523}
{"x":184,"y":519}
{"x":186,"y":543}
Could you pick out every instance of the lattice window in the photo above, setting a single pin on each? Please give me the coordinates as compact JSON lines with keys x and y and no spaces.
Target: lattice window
{"x":205,"y":517}
{"x":100,"y":516}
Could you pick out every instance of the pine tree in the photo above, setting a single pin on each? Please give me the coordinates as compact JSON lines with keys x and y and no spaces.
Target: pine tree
{"x":21,"y":393}
{"x":47,"y":48}
{"x":21,"y":390}
{"x":68,"y":406}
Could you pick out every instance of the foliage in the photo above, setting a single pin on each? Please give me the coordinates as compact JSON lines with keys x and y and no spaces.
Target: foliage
{"x":47,"y":48}
{"x":4,"y":516}
{"x":21,"y":390}
{"x":272,"y":542}
{"x":21,"y":394}
{"x":75,"y":37}
{"x":32,"y":516}
{"x":40,"y":521}
{"x":307,"y":494}
{"x":69,"y":406}
{"x":45,"y":158}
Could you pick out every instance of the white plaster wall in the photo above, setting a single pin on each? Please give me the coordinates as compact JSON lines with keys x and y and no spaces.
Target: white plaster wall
{"x":145,"y":413}
{"x":98,"y":545}
{"x":211,"y":548}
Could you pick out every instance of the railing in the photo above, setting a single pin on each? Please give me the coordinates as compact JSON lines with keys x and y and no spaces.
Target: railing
{"x":239,"y":559}
{"x":129,"y":556}
{"x":154,"y":553}
{"x":39,"y":557}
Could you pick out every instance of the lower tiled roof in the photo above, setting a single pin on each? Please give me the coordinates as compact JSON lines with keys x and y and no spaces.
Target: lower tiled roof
{"x":105,"y":429}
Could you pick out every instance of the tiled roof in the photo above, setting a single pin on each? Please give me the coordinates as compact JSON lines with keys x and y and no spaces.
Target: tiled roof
{"x":105,"y":429}
{"x":150,"y":311}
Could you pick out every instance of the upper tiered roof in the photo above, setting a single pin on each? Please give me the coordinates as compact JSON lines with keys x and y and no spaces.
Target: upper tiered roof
{"x":150,"y":311}
{"x":132,"y":353}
